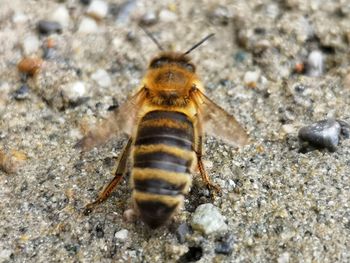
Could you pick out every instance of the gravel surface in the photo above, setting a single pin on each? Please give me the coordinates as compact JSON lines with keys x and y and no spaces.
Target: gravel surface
{"x":277,"y":66}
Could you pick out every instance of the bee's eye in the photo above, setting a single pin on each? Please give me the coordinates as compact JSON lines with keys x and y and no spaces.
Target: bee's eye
{"x":189,"y":67}
{"x":159,"y":63}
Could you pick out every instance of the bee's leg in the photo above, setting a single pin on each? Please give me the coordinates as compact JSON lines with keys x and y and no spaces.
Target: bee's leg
{"x":120,"y":171}
{"x":199,"y":152}
{"x":203,"y":172}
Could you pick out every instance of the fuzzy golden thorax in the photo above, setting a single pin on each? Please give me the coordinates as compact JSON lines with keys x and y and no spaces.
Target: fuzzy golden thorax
{"x":169,"y":79}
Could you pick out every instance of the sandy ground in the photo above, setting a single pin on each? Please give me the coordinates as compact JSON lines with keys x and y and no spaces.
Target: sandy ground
{"x":280,"y":205}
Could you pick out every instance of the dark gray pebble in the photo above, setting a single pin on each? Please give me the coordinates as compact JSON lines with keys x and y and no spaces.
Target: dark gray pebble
{"x":46,"y":27}
{"x":345,"y":129}
{"x":22,"y":93}
{"x":182,"y":231}
{"x":49,"y":53}
{"x":194,"y":254}
{"x":322,"y":134}
{"x":225,"y":244}
{"x":85,"y":2}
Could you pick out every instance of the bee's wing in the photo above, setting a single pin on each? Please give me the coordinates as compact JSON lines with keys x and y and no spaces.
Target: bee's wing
{"x":120,"y":121}
{"x":218,"y":122}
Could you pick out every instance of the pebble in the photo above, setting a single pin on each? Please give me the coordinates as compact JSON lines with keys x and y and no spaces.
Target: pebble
{"x":102,"y":78}
{"x":251,"y":78}
{"x":22,"y":93}
{"x":148,"y":19}
{"x":97,"y":9}
{"x":124,"y":11}
{"x":31,"y":44}
{"x":315,"y":64}
{"x":345,"y":129}
{"x":220,"y":15}
{"x":283,"y":258}
{"x":19,"y":18}
{"x":122,"y":234}
{"x":208,"y":219}
{"x":322,"y":134}
{"x":167,"y":16}
{"x":85,"y":2}
{"x":225,"y":244}
{"x":5,"y":255}
{"x":47,"y":27}
{"x":30,"y":65}
{"x":74,"y":91}
{"x":61,"y":15}
{"x":87,"y":25}
{"x":182,"y":231}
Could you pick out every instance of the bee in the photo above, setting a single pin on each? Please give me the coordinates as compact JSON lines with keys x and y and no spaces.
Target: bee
{"x":165,"y":121}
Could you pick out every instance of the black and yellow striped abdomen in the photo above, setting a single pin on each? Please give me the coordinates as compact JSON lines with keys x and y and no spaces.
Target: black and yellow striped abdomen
{"x":163,"y":157}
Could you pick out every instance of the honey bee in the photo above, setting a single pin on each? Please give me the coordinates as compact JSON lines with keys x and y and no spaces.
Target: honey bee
{"x":165,"y":121}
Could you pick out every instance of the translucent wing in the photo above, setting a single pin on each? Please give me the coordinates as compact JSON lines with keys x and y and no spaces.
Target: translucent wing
{"x":218,"y":122}
{"x":120,"y":121}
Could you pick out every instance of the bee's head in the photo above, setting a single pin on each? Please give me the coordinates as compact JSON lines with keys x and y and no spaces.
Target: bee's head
{"x":168,"y":59}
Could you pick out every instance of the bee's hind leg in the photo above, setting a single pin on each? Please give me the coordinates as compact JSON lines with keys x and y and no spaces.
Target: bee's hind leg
{"x":202,"y":171}
{"x":120,"y":171}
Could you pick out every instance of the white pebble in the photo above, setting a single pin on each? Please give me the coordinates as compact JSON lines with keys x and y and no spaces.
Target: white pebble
{"x":288,"y":128}
{"x":251,"y":78}
{"x":167,"y":16}
{"x":61,"y":15}
{"x":97,"y":9}
{"x":283,"y":258}
{"x":87,"y":25}
{"x":122,"y":234}
{"x":315,"y":64}
{"x":102,"y":78}
{"x":75,"y":90}
{"x":31,"y":44}
{"x":19,"y":18}
{"x":5,"y":255}
{"x":208,"y":219}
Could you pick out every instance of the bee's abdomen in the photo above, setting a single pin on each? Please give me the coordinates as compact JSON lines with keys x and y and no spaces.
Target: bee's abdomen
{"x":162,"y":161}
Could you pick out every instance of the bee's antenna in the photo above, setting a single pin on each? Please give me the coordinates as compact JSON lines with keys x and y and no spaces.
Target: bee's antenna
{"x":149,"y":34}
{"x":199,"y":43}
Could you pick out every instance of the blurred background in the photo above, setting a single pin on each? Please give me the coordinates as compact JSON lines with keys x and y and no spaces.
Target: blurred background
{"x":276,"y":65}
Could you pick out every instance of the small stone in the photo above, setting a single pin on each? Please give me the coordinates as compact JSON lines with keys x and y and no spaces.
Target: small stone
{"x":251,"y":78}
{"x":345,"y":129}
{"x":123,"y":12}
{"x":208,"y":219}
{"x":61,"y":15}
{"x":167,"y":16}
{"x":47,"y":27}
{"x":22,"y":93}
{"x":220,"y":15}
{"x":288,"y":128}
{"x":19,"y":18}
{"x":31,"y":44}
{"x":102,"y":78}
{"x":315,"y":64}
{"x":49,"y":53}
{"x":75,"y":91}
{"x":322,"y":134}
{"x":225,"y":245}
{"x":85,"y":2}
{"x":29,"y":65}
{"x":87,"y":25}
{"x":97,"y":9}
{"x":5,"y":255}
{"x":148,"y":19}
{"x":122,"y":234}
{"x":283,"y":258}
{"x":182,"y":231}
